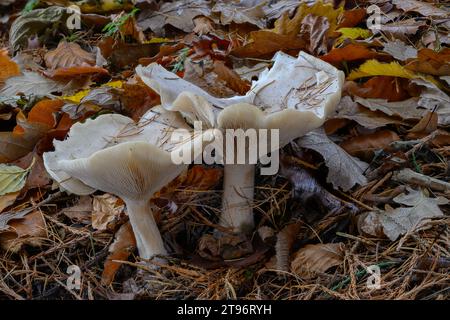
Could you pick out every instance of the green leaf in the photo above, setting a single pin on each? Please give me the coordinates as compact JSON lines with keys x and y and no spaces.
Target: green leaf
{"x":12,"y":178}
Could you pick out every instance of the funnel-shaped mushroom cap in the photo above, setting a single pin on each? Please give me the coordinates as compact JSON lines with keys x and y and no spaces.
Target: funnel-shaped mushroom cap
{"x":107,"y":130}
{"x":131,"y":170}
{"x":305,"y":83}
{"x":195,"y":108}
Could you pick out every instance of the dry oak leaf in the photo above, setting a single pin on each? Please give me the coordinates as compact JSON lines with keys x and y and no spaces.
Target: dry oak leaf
{"x":106,"y":211}
{"x":124,"y":244}
{"x":68,"y":54}
{"x":395,"y":222}
{"x":30,"y":229}
{"x":8,"y":68}
{"x":317,"y":258}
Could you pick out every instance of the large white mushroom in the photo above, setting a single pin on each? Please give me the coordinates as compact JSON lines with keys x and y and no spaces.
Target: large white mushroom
{"x":133,"y":161}
{"x":295,"y":96}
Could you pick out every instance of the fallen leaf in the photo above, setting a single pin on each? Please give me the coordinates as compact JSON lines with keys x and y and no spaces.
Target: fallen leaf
{"x":344,"y":171}
{"x":38,"y":176}
{"x":35,"y":22}
{"x":74,"y":72}
{"x":431,"y":62}
{"x":406,"y":109}
{"x":241,"y":12}
{"x":106,"y":211}
{"x":203,"y":25}
{"x":123,"y":246}
{"x":28,"y":230}
{"x":376,"y":68}
{"x":179,"y":14}
{"x":399,"y":50}
{"x":8,"y":68}
{"x":351,"y":18}
{"x":424,"y":8}
{"x":32,"y":83}
{"x":395,"y":222}
{"x":232,"y":79}
{"x":315,"y":29}
{"x":350,"y":52}
{"x":352,"y":34}
{"x":67,"y":55}
{"x":12,"y":178}
{"x":81,"y":212}
{"x":8,"y":200}
{"x":317,"y":258}
{"x":264,"y":43}
{"x":363,"y":146}
{"x":426,"y":125}
{"x":401,"y":28}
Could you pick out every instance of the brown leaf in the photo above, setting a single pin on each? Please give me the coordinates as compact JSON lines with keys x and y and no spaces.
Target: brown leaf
{"x":8,"y":200}
{"x":232,"y":79}
{"x":81,"y":211}
{"x":38,"y":176}
{"x":106,"y":211}
{"x":424,"y":8}
{"x":124,"y":244}
{"x":351,"y":18}
{"x":426,"y":125}
{"x":28,"y":230}
{"x":317,"y":258}
{"x":137,"y":98}
{"x":315,"y":29}
{"x":203,"y":25}
{"x":75,"y":72}
{"x":363,"y":146}
{"x":67,"y":55}
{"x":431,"y":62}
{"x":264,"y":43}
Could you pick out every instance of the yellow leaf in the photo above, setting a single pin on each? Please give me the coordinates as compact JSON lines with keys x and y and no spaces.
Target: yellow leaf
{"x":286,"y":26}
{"x":102,"y":6}
{"x":12,"y":178}
{"x":158,"y":40}
{"x":352,"y":33}
{"x":376,"y":68}
{"x":77,"y":97}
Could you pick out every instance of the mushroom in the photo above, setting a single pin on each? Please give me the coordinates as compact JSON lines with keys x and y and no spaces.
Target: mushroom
{"x":295,"y":96}
{"x":118,"y":158}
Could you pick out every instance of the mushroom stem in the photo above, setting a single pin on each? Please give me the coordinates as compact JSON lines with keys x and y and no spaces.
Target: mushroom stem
{"x":148,"y":237}
{"x":238,"y":189}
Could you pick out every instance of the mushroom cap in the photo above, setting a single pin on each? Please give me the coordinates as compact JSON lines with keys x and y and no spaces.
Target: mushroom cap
{"x":305,"y":83}
{"x":131,"y":170}
{"x":107,"y":130}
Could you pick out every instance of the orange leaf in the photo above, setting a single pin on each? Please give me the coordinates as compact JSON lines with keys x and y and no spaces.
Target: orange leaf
{"x":43,"y":113}
{"x":123,"y":245}
{"x":350,"y":52}
{"x":8,"y":68}
{"x":351,"y":18}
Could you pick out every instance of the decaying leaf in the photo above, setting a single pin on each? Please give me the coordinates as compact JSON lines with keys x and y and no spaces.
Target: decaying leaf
{"x":418,"y":209}
{"x":399,"y":50}
{"x":124,"y":244}
{"x":317,"y":258}
{"x":344,"y":171}
{"x":424,"y":8}
{"x":106,"y":211}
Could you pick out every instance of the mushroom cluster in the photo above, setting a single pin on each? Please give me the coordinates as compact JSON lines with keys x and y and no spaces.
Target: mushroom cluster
{"x":134,"y":160}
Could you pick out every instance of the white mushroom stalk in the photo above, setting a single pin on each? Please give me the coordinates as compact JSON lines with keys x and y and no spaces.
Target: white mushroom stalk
{"x":118,"y":158}
{"x":294,"y":97}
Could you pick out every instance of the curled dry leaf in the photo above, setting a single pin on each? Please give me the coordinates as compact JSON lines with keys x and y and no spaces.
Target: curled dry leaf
{"x":29,"y":230}
{"x":285,"y":240}
{"x":418,"y":210}
{"x":124,"y":244}
{"x":344,"y":171}
{"x":317,"y":258}
{"x":106,"y":211}
{"x":67,"y":55}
